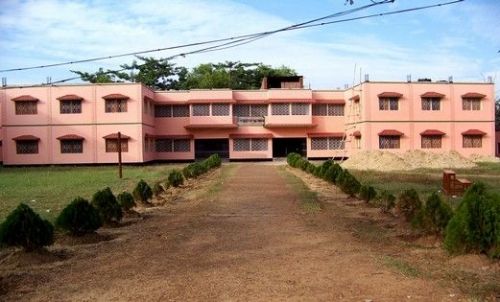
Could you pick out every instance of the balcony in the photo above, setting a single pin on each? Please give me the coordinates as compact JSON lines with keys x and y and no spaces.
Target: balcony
{"x":288,"y":121}
{"x":250,"y":120}
{"x":211,"y":122}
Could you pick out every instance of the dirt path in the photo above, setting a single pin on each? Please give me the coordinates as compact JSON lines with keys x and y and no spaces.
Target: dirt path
{"x":246,"y":239}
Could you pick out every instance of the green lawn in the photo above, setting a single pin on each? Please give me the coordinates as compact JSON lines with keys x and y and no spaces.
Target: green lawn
{"x":48,"y":189}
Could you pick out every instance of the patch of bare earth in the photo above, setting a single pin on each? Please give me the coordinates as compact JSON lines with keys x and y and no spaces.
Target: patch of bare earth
{"x":239,"y":233}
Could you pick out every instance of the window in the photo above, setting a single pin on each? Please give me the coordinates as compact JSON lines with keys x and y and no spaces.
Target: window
{"x":472,"y":141}
{"x":327,"y":143}
{"x":201,"y":110}
{"x":241,"y":110}
{"x":328,"y":110}
{"x":171,"y":110}
{"x":335,"y":143}
{"x":182,"y":145}
{"x":389,"y":142}
{"x":70,"y":106}
{"x":163,"y":110}
{"x":112,"y":145}
{"x":358,"y":142}
{"x":26,"y":107}
{"x":471,"y":104}
{"x":173,"y":145}
{"x":27,"y":147}
{"x":388,"y":104}
{"x":247,"y":144}
{"x":163,"y":145}
{"x":300,"y":109}
{"x":431,"y":141}
{"x":71,"y":146}
{"x":220,"y":109}
{"x":258,"y":110}
{"x":116,"y":105}
{"x":280,"y":109}
{"x":180,"y":110}
{"x":259,"y":144}
{"x":433,"y":104}
{"x":320,"y":109}
{"x":241,"y":144}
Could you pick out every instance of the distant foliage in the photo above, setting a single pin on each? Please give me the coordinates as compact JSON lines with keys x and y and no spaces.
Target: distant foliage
{"x":175,"y":178}
{"x":367,"y":193}
{"x":142,"y":192}
{"x":386,"y":201}
{"x":436,"y":214}
{"x":408,"y":204}
{"x":107,"y":205}
{"x":24,"y":228}
{"x":126,"y":201}
{"x":79,"y":218}
{"x":475,"y":227}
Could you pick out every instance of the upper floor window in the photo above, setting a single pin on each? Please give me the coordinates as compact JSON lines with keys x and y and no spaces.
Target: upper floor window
{"x":171,"y":110}
{"x":300,"y":109}
{"x":471,"y":104}
{"x":243,"y":110}
{"x":220,"y":109}
{"x":116,"y":105}
{"x":391,"y":103}
{"x":201,"y":110}
{"x":431,"y":104}
{"x":26,"y":107}
{"x":70,"y":106}
{"x":280,"y":109}
{"x":328,"y":109}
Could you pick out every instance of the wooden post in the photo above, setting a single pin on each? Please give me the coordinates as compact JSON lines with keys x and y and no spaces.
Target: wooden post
{"x":120,"y":174}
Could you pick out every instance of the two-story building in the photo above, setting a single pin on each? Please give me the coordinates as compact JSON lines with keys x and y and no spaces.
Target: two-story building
{"x":78,"y":124}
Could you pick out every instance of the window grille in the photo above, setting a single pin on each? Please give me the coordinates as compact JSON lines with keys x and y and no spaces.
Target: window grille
{"x":471,"y":104}
{"x":319,"y":143}
{"x":319,"y":110}
{"x":335,"y":143}
{"x":71,"y":146}
{"x":431,"y":104}
{"x":300,"y":109}
{"x":114,"y":105}
{"x":163,"y":110}
{"x":182,"y":145}
{"x":112,"y":145}
{"x":431,"y":142}
{"x":220,"y":109}
{"x":472,"y":141}
{"x":388,"y":104}
{"x":70,"y":106}
{"x":258,"y":110}
{"x":280,"y":109}
{"x":201,"y":110}
{"x":163,"y":145}
{"x":389,"y":142}
{"x":180,"y":110}
{"x":241,"y":110}
{"x":27,"y":147}
{"x":27,"y":107}
{"x":241,"y":144}
{"x":259,"y":144}
{"x":335,"y":110}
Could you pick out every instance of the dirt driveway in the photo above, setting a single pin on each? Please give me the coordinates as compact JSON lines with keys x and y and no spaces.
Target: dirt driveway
{"x":243,"y":238}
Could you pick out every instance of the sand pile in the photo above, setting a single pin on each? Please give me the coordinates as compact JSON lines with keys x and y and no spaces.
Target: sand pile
{"x":484,"y":159}
{"x":387,"y":161}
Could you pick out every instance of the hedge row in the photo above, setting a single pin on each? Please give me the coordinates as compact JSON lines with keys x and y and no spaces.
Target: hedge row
{"x":474,"y":227}
{"x":25,"y":228}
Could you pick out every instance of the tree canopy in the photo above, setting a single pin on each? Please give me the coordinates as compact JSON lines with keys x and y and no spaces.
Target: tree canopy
{"x":162,"y":75}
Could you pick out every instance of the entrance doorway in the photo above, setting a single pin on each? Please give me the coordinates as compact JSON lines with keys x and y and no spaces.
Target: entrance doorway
{"x":283,"y":146}
{"x":203,"y":148}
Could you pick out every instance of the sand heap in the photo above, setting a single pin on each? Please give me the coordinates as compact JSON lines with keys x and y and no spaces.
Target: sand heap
{"x":387,"y":161}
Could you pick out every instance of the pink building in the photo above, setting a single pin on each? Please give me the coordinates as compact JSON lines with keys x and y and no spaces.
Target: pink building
{"x":74,"y":124}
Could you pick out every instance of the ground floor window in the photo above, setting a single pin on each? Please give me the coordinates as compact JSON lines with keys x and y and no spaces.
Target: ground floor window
{"x":71,"y":146}
{"x":389,"y":142}
{"x":327,"y":143}
{"x":250,"y":144}
{"x":27,"y":147}
{"x":173,"y":145}
{"x":431,"y":141}
{"x":358,"y":142}
{"x":472,"y":141}
{"x":112,"y":145}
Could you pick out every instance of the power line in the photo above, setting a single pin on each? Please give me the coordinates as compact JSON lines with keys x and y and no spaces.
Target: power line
{"x":203,"y":42}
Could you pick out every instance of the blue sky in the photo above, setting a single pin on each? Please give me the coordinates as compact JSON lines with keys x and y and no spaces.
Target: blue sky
{"x":461,"y":40}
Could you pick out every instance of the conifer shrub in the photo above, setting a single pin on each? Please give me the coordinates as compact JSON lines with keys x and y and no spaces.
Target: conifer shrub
{"x":126,"y":201}
{"x":367,"y":193}
{"x":24,"y":228}
{"x":175,"y":178}
{"x":157,"y":189}
{"x":311,"y":168}
{"x":292,"y":159}
{"x":194,"y":170}
{"x":386,"y":201}
{"x":436,"y":214}
{"x":332,"y":172}
{"x":142,"y":191}
{"x":107,"y":206}
{"x":79,"y":218}
{"x":324,"y":167}
{"x":303,"y":164}
{"x":408,"y":204}
{"x":213,"y":161}
{"x":475,"y":227}
{"x":348,"y":183}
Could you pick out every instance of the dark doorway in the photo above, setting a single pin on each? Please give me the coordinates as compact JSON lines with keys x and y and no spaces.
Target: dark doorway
{"x":284,"y":146}
{"x":203,"y":148}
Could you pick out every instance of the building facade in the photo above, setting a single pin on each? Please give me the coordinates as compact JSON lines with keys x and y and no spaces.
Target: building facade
{"x":78,"y":124}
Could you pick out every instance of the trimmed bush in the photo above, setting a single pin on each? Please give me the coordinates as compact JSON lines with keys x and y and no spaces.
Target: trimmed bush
{"x":292,"y":159}
{"x":79,"y":218}
{"x":332,"y":172}
{"x":324,"y":167}
{"x":386,"y":201}
{"x":193,"y":170}
{"x":175,"y":178}
{"x":126,"y":201}
{"x":213,"y":161}
{"x":367,"y":193}
{"x":348,"y":183}
{"x":436,"y":214}
{"x":142,"y":191}
{"x":408,"y":204}
{"x":109,"y":209}
{"x":158,"y":189}
{"x":475,"y":227}
{"x":23,"y":227}
{"x":311,"y":168}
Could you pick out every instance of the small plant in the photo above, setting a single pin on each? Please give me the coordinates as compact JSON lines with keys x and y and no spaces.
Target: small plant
{"x":367,"y":193}
{"x":158,"y":189}
{"x":126,"y":201}
{"x":386,"y":201}
{"x":142,"y":191}
{"x":193,"y":170}
{"x":213,"y":161}
{"x":332,"y":172}
{"x":408,"y":204}
{"x":292,"y":159}
{"x":175,"y":178}
{"x":436,"y":214}
{"x":324,"y":167}
{"x":79,"y":218}
{"x":23,"y":227}
{"x":348,"y":183}
{"x":109,"y":209}
{"x":311,"y":168}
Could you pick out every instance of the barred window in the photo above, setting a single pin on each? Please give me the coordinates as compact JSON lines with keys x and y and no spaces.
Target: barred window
{"x":27,"y":107}
{"x":112,"y":145}
{"x":358,"y":142}
{"x":335,"y":110}
{"x":163,"y":145}
{"x":336,"y":143}
{"x":27,"y":147}
{"x":180,"y":110}
{"x":431,"y":104}
{"x":431,"y":141}
{"x":319,"y":143}
{"x":71,"y":146}
{"x":300,"y":109}
{"x":201,"y":110}
{"x":389,"y":142}
{"x":319,"y":110}
{"x":220,"y":109}
{"x":259,"y":144}
{"x":241,"y":144}
{"x":280,"y":109}
{"x":258,"y":110}
{"x":388,"y":104}
{"x":471,"y":104}
{"x":472,"y":141}
{"x":182,"y":145}
{"x":163,"y":110}
{"x":241,"y":110}
{"x":70,"y":106}
{"x":114,"y":105}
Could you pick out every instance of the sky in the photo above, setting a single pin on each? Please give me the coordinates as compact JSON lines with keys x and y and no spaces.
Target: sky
{"x":460,"y":40}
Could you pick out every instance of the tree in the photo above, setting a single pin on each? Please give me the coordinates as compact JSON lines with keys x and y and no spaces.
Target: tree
{"x":100,"y":76}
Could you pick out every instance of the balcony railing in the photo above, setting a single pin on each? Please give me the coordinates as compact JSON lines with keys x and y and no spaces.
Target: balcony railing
{"x":250,"y":120}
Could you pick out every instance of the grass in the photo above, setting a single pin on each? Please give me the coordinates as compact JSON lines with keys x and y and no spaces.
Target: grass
{"x":309,"y":199}
{"x":48,"y":189}
{"x":227,"y":170}
{"x":401,"y":266}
